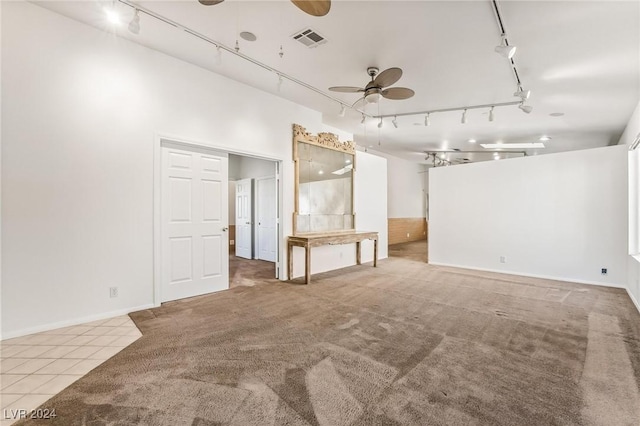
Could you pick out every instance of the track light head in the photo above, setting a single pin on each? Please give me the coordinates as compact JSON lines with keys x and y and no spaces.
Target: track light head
{"x":279,"y":82}
{"x":134,"y":25}
{"x":522,"y":94}
{"x":491,"y":115}
{"x":525,"y":108}
{"x":427,"y":122}
{"x":463,"y":120}
{"x":380,"y":124}
{"x":343,"y":111}
{"x":395,"y":122}
{"x":504,"y":49}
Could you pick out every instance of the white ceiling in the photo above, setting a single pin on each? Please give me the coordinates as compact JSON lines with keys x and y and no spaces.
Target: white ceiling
{"x":581,"y":58}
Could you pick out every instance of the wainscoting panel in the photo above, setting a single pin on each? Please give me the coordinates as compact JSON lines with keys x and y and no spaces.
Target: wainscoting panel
{"x":402,"y":230}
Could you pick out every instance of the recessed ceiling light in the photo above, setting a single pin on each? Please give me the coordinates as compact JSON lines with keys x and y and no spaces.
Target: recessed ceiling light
{"x":472,"y":141}
{"x":545,"y":138}
{"x":557,"y":114}
{"x":527,"y":145}
{"x":246,"y":35}
{"x":320,"y":172}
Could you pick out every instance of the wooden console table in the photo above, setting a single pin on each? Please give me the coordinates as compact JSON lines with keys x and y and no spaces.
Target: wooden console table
{"x":316,"y":240}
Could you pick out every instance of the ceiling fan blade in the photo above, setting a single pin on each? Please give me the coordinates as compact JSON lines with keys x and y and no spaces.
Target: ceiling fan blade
{"x":346,"y":89}
{"x":210,"y":2}
{"x":313,"y":7}
{"x":397,"y":93}
{"x":388,"y":77}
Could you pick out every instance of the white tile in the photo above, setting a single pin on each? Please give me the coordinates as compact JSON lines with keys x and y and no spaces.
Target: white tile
{"x":29,"y":402}
{"x":124,"y":341}
{"x":96,"y":323}
{"x":11,"y":351}
{"x":134,"y":332}
{"x":58,"y":366}
{"x":29,"y":383}
{"x":82,"y":352}
{"x":102,"y":341}
{"x":57,"y":384}
{"x":84,"y":366}
{"x":106,"y":353}
{"x":8,"y":379}
{"x":81,"y":329}
{"x":115,"y":322}
{"x":59,"y":351}
{"x":62,"y":330}
{"x":118,"y":331}
{"x":10,"y":363}
{"x":98,"y":331}
{"x":80,"y":340}
{"x":31,"y":366}
{"x":35,"y":351}
{"x":59,"y":339}
{"x":38,"y":339}
{"x":23,"y":340}
{"x":9,"y":398}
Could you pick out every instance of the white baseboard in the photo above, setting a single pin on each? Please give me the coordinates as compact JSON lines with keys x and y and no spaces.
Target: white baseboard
{"x":545,"y":277}
{"x":75,"y":321}
{"x":634,"y":300}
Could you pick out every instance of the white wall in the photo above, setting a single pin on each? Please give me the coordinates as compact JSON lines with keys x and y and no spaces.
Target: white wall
{"x":82,"y":109}
{"x":628,"y":136}
{"x":370,"y":207}
{"x":633,"y":128}
{"x":406,"y":187}
{"x":562,"y":216}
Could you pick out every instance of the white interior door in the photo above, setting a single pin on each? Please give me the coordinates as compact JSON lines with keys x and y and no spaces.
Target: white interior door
{"x":244,"y":219}
{"x":266,"y":218}
{"x":195,"y":254}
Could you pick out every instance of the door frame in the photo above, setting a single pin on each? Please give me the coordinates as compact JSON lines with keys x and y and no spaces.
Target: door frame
{"x":256,"y":238}
{"x":158,"y":140}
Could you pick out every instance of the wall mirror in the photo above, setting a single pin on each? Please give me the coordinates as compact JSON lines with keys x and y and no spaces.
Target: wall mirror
{"x":324,"y":171}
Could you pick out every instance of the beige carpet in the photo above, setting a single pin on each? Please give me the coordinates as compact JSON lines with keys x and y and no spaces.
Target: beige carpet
{"x":404,"y":343}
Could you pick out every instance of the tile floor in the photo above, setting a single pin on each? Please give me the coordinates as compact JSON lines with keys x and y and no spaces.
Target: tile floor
{"x":34,"y":368}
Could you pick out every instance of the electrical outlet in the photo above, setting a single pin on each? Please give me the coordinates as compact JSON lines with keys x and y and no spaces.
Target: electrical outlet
{"x":503,"y":259}
{"x":113,"y":291}
{"x":603,"y":271}
{"x":232,"y":242}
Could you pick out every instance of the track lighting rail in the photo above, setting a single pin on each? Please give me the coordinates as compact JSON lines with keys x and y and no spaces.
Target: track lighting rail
{"x":281,"y":75}
{"x":232,"y":51}
{"x":462,"y":108}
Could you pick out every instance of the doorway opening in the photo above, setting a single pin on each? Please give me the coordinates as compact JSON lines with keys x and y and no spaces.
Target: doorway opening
{"x":253,"y":220}
{"x":193,"y":221}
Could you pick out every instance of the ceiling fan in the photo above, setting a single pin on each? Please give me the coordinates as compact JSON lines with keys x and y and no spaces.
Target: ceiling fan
{"x":376,"y":87}
{"x":312,"y":7}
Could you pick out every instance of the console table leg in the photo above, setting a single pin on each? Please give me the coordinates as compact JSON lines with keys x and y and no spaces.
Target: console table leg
{"x":358,"y":253}
{"x":290,"y":262}
{"x":375,"y":253}
{"x":307,"y":265}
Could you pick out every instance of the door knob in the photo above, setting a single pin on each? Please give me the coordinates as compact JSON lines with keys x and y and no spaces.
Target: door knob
{"x":225,"y":229}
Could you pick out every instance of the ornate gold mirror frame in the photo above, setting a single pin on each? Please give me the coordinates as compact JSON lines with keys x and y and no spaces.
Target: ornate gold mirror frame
{"x":327,"y":141}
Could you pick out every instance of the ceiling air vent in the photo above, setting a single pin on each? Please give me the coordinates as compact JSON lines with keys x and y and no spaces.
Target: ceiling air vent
{"x":309,"y":38}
